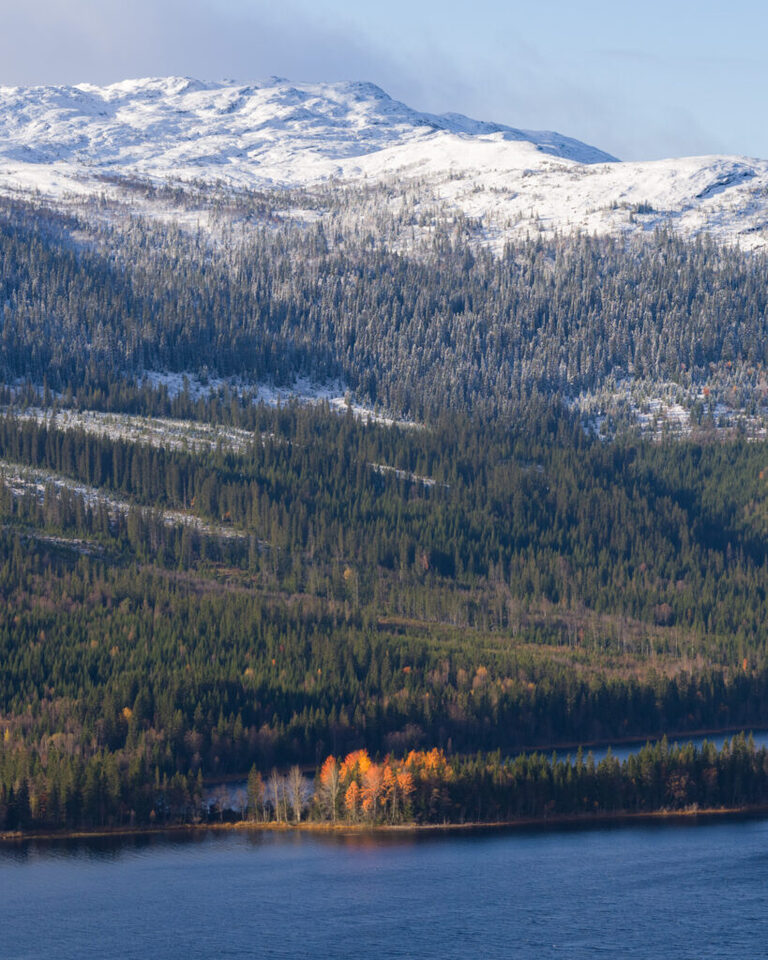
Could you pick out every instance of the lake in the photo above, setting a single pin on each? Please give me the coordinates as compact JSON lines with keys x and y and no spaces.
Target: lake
{"x":651,"y":891}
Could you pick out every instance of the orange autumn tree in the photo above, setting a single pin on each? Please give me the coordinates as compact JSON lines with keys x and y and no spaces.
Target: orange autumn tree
{"x":386,"y":791}
{"x":429,"y":765}
{"x":431,"y":773}
{"x":353,"y":766}
{"x":371,"y":791}
{"x":405,"y":787}
{"x":328,"y":789}
{"x":351,"y":772}
{"x":362,"y":783}
{"x":352,"y":801}
{"x":397,"y":785}
{"x":389,"y":788}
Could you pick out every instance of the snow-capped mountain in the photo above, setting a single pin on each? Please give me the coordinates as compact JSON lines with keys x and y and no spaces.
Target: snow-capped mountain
{"x":60,"y":140}
{"x":273,"y":129}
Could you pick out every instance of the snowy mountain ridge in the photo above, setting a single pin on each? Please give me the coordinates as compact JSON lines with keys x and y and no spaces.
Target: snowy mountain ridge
{"x":62,"y":140}
{"x":176,"y":122}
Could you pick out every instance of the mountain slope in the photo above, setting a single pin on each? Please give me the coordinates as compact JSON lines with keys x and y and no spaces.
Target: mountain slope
{"x":62,"y":140}
{"x":287,"y":129}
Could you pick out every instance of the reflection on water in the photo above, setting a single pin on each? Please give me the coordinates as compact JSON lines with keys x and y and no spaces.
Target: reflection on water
{"x":648,"y":891}
{"x":96,"y":848}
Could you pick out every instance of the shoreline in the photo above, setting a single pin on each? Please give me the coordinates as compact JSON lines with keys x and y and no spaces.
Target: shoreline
{"x":400,"y":829}
{"x":679,"y":738}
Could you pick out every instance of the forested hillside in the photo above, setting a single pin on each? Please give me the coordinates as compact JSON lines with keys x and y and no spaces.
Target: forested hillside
{"x":194,"y":584}
{"x":365,"y":586}
{"x":443,"y":327}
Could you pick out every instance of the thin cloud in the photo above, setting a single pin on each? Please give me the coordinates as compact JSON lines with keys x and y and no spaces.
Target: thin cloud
{"x":106,"y":41}
{"x":510,"y":79}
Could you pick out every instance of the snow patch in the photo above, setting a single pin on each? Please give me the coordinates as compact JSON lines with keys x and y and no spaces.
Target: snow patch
{"x":22,"y":480}
{"x":302,"y":390}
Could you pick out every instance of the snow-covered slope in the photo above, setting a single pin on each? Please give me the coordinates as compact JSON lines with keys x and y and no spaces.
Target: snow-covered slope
{"x":59,"y":140}
{"x":274,"y":129}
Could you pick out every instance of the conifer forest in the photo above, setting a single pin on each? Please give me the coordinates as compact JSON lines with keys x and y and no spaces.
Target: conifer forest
{"x":392,"y":608}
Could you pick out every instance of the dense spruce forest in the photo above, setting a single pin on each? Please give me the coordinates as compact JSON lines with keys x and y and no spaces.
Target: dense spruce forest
{"x":545,"y":589}
{"x":446,"y":326}
{"x":490,"y":578}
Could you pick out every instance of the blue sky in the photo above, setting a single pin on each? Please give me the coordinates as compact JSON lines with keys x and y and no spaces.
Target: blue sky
{"x":639,"y":80}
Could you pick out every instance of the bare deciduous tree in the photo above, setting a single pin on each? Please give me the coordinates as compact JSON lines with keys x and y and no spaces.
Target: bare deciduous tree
{"x":298,"y":792}
{"x":277,"y":794}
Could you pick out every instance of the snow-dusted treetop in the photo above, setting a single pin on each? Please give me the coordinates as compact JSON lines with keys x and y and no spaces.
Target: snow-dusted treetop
{"x":59,"y":139}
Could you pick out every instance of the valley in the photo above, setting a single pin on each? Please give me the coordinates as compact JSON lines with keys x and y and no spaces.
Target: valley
{"x":333,"y":428}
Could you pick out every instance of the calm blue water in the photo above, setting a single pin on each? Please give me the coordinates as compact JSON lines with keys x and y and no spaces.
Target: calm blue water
{"x":652,"y":891}
{"x":623,"y":750}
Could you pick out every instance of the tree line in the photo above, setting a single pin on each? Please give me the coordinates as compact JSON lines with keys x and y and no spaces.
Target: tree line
{"x":423,"y":787}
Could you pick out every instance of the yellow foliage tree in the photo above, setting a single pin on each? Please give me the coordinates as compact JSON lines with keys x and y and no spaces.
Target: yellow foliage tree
{"x":352,"y":800}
